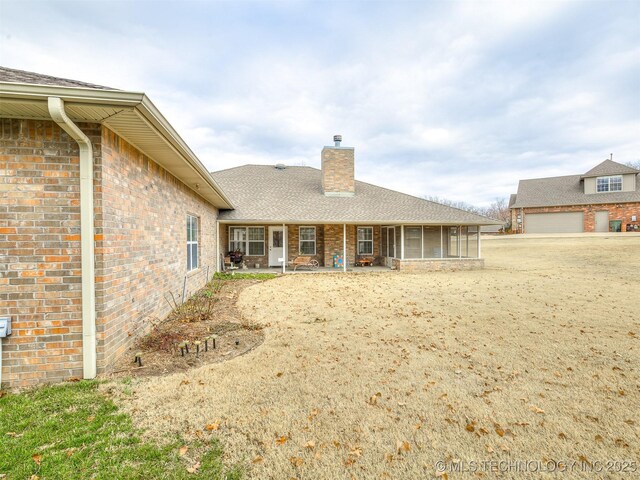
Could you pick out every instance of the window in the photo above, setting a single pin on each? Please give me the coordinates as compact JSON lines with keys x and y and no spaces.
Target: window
{"x":256,"y":241}
{"x":249,"y":240}
{"x":307,"y":240}
{"x":192,"y":242}
{"x":609,"y":184}
{"x":365,"y":240}
{"x":238,"y":239}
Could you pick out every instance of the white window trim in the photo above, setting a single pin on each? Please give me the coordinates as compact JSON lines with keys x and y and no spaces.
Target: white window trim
{"x":608,"y":184}
{"x":193,"y":242}
{"x":368,"y":241}
{"x":315,"y":239}
{"x":247,"y":241}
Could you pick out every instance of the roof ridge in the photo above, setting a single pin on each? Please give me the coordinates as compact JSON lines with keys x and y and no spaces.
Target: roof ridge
{"x":54,"y":81}
{"x":261,"y":165}
{"x":547,"y":178}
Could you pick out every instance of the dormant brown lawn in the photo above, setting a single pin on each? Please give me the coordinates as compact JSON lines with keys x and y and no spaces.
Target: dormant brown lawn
{"x":382,"y":375}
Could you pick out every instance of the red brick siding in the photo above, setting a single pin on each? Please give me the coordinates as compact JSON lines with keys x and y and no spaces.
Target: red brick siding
{"x":431,"y":265}
{"x":140,"y":225}
{"x":40,"y":251}
{"x":617,"y":211}
{"x":328,"y":243}
{"x":293,"y":242}
{"x":252,"y":260}
{"x":338,"y":170}
{"x":293,"y":245}
{"x":141,"y":252}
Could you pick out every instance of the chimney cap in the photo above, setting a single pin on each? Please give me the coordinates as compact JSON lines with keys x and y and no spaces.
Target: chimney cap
{"x":337,"y":139}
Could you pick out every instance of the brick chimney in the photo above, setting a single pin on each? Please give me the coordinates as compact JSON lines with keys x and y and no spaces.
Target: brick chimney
{"x":338,"y":170}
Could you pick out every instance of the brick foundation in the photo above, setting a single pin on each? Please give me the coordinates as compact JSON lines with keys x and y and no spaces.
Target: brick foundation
{"x":437,"y":265}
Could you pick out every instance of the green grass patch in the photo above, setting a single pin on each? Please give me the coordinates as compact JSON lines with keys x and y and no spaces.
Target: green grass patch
{"x":74,"y":431}
{"x":245,"y":276}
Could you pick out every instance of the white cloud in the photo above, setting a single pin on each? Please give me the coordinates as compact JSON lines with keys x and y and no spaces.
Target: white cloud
{"x":457,"y":100}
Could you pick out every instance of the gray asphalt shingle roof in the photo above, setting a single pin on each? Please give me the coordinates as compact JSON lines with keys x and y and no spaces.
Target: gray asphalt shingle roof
{"x":263,"y":193}
{"x":609,"y":167}
{"x":21,"y":76}
{"x":567,"y":190}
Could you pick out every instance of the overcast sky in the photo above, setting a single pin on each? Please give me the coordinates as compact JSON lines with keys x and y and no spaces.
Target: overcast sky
{"x":457,"y":100}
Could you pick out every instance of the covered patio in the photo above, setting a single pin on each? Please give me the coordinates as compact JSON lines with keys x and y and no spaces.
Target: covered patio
{"x":345,"y":247}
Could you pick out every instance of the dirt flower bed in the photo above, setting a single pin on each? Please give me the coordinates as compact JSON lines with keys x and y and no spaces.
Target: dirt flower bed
{"x":210,"y":317}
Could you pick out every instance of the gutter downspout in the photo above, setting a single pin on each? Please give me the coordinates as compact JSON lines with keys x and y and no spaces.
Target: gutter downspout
{"x":89,"y":359}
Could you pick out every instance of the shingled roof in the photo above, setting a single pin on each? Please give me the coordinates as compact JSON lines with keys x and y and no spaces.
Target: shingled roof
{"x":20,"y":76}
{"x":567,"y":190}
{"x":609,"y":167}
{"x":263,"y":193}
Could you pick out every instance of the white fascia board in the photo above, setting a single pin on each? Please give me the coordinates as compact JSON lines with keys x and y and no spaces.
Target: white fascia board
{"x":118,"y":98}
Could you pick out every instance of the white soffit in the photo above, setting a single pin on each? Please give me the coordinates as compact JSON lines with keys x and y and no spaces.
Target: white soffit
{"x":136,"y":120}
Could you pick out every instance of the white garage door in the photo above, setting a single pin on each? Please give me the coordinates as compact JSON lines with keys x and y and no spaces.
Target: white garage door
{"x":563,"y":222}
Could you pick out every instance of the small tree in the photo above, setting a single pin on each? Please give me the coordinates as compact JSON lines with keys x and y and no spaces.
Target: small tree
{"x":634,"y":164}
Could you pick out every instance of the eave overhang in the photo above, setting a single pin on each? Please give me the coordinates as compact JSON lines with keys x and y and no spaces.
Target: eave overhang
{"x":131,"y":115}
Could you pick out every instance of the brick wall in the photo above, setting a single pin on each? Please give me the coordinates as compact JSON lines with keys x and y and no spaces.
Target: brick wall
{"x":250,"y":261}
{"x":431,"y":265}
{"x":293,"y":243}
{"x":141,"y":248}
{"x":617,"y":211}
{"x":334,"y":243}
{"x":338,"y":174}
{"x":140,"y":232}
{"x":40,"y":250}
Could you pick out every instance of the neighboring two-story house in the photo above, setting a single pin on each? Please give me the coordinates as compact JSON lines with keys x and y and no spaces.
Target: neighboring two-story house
{"x":605,"y":199}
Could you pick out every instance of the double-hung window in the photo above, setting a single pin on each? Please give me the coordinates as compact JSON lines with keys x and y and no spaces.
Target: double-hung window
{"x":248,"y":240}
{"x":365,"y":240}
{"x":192,"y":242}
{"x":609,"y":184}
{"x":307,"y":240}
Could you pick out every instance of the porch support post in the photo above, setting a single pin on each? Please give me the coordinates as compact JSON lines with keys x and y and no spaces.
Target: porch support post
{"x":285,"y":240}
{"x":217,"y":247}
{"x":459,"y":242}
{"x":441,"y":243}
{"x":401,"y":242}
{"x":479,"y":248}
{"x":422,"y":241}
{"x":344,"y":247}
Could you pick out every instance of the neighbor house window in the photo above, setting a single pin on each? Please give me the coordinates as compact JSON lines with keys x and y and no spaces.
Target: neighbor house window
{"x":365,"y":240}
{"x":192,"y":242}
{"x":307,"y":240}
{"x":609,"y":184}
{"x":248,"y":240}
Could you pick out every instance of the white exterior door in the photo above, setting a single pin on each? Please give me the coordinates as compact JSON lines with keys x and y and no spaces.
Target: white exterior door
{"x":276,"y":246}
